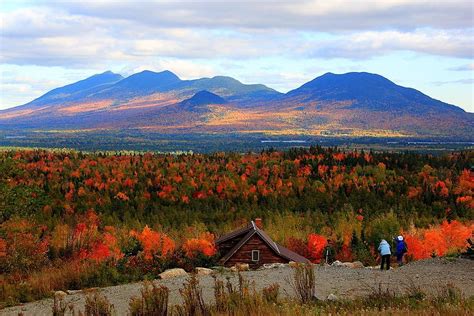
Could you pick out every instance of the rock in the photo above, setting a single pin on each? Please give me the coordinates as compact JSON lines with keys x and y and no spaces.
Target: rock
{"x":60,"y":294}
{"x":242,"y":266}
{"x":352,"y":265}
{"x":233,"y":269}
{"x":173,"y":273}
{"x":293,"y":264}
{"x":273,"y":265}
{"x":337,"y":263}
{"x":357,"y":265}
{"x":203,"y":271}
{"x":332,"y":297}
{"x":72,"y":292}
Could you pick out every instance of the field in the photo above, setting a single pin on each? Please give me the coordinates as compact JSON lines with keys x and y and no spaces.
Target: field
{"x":73,"y":220}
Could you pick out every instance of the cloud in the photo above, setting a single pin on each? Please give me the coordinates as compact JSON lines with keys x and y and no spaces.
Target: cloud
{"x":321,"y":15}
{"x":79,"y":34}
{"x":468,"y":81}
{"x":453,"y":43}
{"x":466,"y":67}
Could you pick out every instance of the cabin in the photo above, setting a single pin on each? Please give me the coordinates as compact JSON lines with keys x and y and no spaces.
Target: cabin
{"x":252,"y":245}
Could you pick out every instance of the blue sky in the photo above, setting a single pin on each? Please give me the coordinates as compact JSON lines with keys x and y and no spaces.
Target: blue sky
{"x":427,"y":45}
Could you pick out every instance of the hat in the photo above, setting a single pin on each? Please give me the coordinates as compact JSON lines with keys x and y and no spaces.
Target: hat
{"x":400,"y":238}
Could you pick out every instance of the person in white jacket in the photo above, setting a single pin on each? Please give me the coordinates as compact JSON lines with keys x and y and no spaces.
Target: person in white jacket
{"x":384,"y":249}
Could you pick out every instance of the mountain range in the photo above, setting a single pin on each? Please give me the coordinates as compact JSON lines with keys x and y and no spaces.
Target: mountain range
{"x":351,"y":104}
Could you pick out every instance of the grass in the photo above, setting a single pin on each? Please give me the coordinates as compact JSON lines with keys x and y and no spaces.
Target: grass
{"x":153,"y":300}
{"x":69,"y":276}
{"x":304,"y":283}
{"x":98,"y":305}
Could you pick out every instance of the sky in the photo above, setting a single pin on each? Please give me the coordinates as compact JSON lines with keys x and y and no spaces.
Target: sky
{"x":424,"y":44}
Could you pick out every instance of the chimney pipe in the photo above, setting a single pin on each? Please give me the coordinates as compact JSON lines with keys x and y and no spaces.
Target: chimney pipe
{"x":258,"y":223}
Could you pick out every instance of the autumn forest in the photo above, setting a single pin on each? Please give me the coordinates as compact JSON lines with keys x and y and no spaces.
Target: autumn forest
{"x":71,"y":219}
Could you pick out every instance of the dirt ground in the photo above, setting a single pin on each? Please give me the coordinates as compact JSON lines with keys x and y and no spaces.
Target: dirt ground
{"x":342,"y":281}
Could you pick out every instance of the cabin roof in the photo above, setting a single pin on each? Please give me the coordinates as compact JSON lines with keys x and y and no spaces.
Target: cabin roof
{"x":250,"y":230}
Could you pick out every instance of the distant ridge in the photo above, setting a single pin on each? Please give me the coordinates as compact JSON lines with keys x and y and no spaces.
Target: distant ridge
{"x":351,"y":105}
{"x":78,"y":89}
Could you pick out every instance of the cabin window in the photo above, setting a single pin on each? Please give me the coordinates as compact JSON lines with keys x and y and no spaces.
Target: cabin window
{"x":255,"y":255}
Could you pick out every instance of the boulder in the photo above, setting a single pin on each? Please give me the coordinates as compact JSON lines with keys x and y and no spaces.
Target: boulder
{"x":352,"y":265}
{"x":203,"y":271}
{"x":72,"y":292}
{"x":273,"y":265}
{"x":332,"y":297}
{"x":60,"y":295}
{"x":357,"y":265}
{"x":242,"y":266}
{"x":337,"y":263}
{"x":173,"y":273}
{"x":293,"y":264}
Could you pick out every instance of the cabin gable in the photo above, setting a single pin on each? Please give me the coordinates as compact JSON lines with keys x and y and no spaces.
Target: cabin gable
{"x":254,"y":244}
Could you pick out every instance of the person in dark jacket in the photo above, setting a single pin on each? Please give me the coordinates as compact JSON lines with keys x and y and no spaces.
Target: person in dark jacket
{"x":401,"y":249}
{"x":329,"y":252}
{"x":384,"y":249}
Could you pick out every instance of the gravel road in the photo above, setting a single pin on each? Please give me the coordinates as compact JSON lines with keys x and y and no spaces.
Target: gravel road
{"x":342,"y":281}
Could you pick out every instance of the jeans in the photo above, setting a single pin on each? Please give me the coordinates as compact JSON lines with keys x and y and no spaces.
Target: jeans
{"x":385,"y":260}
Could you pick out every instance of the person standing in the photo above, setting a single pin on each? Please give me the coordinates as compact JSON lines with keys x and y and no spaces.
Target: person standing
{"x":401,"y":250}
{"x":384,"y":250}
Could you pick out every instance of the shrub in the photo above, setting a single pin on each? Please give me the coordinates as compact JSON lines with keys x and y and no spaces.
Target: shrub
{"x":153,"y":301}
{"x":59,"y":305}
{"x":98,"y":305}
{"x":271,"y":292}
{"x":304,"y":283}
{"x":448,"y":294}
{"x":193,"y":302}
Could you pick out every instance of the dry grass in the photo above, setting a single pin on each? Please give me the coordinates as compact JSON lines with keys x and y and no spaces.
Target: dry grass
{"x":98,"y":305}
{"x":304,"y":283}
{"x":153,"y":301}
{"x":193,"y":302}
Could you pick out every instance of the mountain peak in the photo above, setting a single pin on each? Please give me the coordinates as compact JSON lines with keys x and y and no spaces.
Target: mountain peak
{"x":369,"y":91}
{"x":200,"y":99}
{"x":149,"y":80}
{"x":165,"y":74}
{"x":351,"y":76}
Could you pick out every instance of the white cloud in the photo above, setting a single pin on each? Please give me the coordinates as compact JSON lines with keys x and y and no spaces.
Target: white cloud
{"x":453,"y":43}
{"x":312,"y":15}
{"x":466,"y":67}
{"x":78,"y":34}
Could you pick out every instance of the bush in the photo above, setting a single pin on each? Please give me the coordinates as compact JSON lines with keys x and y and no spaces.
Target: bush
{"x":98,"y":305}
{"x":271,"y":292}
{"x":383,"y":227}
{"x":304,"y":282}
{"x":193,"y":302}
{"x":153,"y":301}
